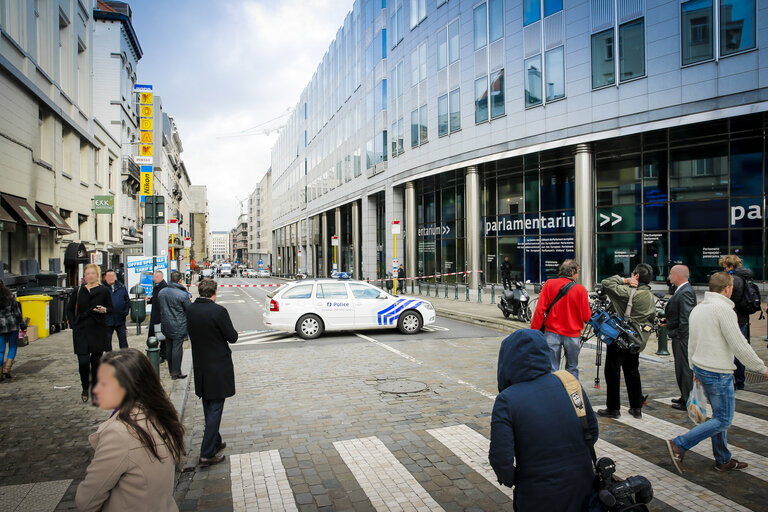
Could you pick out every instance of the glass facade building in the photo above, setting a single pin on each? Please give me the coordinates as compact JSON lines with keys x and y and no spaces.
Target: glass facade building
{"x":489,"y":130}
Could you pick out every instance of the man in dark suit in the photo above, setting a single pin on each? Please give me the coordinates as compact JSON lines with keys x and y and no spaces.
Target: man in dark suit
{"x":210,"y":329}
{"x":158,"y":283}
{"x":678,"y":310}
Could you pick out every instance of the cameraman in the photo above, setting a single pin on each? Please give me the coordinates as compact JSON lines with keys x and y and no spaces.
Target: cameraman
{"x":620,"y":290}
{"x":537,"y":442}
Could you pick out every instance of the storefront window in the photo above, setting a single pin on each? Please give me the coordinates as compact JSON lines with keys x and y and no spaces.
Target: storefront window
{"x":492,"y":262}
{"x":655,"y":177}
{"x":618,"y":181}
{"x":656,"y":254}
{"x":746,"y":212}
{"x":617,"y":254}
{"x":655,"y":215}
{"x":700,"y":250}
{"x":748,"y":245}
{"x":746,"y":166}
{"x":699,"y":172}
{"x":557,"y":190}
{"x":698,"y":214}
{"x":511,"y":194}
{"x":509,"y":247}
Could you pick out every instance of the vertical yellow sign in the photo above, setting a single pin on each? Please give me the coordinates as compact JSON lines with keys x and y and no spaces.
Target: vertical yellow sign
{"x":146,"y":183}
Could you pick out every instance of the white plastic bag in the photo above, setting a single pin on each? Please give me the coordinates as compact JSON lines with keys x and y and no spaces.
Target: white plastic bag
{"x":697,"y":403}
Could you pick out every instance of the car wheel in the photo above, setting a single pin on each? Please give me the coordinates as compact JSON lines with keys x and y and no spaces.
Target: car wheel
{"x":409,"y":322}
{"x":309,"y":327}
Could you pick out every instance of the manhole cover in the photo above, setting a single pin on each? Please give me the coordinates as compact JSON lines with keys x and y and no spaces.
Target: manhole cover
{"x":401,"y":386}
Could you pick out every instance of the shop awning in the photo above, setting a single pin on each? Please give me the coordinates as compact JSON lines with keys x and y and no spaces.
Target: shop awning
{"x":24,"y":212}
{"x":54,"y":218}
{"x":6,"y":221}
{"x":76,"y":253}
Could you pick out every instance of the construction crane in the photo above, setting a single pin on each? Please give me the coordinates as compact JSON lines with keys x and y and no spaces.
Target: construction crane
{"x":250,"y":132}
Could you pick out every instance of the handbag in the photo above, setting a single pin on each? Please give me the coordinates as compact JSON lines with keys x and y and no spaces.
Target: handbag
{"x":23,"y":340}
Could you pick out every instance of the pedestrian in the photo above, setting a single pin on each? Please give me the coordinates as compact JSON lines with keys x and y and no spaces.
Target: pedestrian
{"x":11,"y":323}
{"x":538,"y":443}
{"x":211,"y":330}
{"x":506,"y":273}
{"x":714,"y":339}
{"x":741,"y":275}
{"x":158,"y":283}
{"x":174,"y":301}
{"x":401,"y":284}
{"x":87,"y":312}
{"x":136,"y":449}
{"x":562,"y":310}
{"x":676,"y":319}
{"x":121,"y":306}
{"x":121,"y":273}
{"x":631,"y":299}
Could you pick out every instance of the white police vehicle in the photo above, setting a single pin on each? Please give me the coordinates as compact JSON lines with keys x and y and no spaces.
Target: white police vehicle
{"x":312,"y":306}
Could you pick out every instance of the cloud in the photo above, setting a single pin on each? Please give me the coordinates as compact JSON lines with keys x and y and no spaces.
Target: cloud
{"x":224,"y":69}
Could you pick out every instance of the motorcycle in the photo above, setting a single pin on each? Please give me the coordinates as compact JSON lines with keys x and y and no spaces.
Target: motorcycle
{"x":516,"y":302}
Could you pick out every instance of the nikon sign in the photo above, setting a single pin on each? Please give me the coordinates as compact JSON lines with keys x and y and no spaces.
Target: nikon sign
{"x":104,"y":204}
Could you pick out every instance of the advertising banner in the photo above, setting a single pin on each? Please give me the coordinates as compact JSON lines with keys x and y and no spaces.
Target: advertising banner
{"x":139,"y":271}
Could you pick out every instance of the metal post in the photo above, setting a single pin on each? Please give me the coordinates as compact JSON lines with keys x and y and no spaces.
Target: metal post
{"x":446,"y":290}
{"x":456,"y":291}
{"x":479,"y":294}
{"x":411,"y":245}
{"x":472,"y":202}
{"x":584,"y":215}
{"x":419,"y":286}
{"x":493,"y":293}
{"x":466,"y":289}
{"x":428,"y":288}
{"x":153,"y":353}
{"x":661,"y":334}
{"x":412,"y":285}
{"x":436,"y":288}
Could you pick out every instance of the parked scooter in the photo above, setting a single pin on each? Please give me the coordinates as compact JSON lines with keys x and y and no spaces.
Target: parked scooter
{"x":516,"y":302}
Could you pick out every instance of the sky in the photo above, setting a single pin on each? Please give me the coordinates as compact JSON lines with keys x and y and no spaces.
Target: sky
{"x":225,"y":66}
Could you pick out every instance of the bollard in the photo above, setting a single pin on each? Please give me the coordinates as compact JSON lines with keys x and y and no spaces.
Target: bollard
{"x":153,"y":353}
{"x":428,"y":283}
{"x":479,"y":294}
{"x":493,"y":293}
{"x":466,"y":288}
{"x":446,"y":290}
{"x":661,"y":334}
{"x":419,"y":286}
{"x":436,"y":290}
{"x":456,"y":290}
{"x":412,"y":286}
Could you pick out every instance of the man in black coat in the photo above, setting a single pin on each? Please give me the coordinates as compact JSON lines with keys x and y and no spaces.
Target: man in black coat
{"x":158,"y":280}
{"x":121,"y":306}
{"x":210,"y":329}
{"x":506,"y":273}
{"x":677,"y":312}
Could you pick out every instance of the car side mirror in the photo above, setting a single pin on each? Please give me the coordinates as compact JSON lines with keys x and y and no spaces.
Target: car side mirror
{"x":381,"y":296}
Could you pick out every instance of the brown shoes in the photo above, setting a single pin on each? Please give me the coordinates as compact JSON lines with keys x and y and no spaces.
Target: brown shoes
{"x":676,"y":454}
{"x":731,"y":465}
{"x":210,"y":461}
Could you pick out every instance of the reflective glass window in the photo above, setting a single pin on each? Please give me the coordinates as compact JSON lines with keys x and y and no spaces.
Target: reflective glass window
{"x":699,"y":172}
{"x":481,"y":99}
{"x":655,"y":177}
{"x":655,"y":216}
{"x":400,"y":135}
{"x":442,"y":115}
{"x":700,"y":250}
{"x":532,"y":258}
{"x":698,"y":214}
{"x":511,"y":194}
{"x":552,"y":6}
{"x":557,"y":188}
{"x":746,"y":167}
{"x":453,"y":42}
{"x":442,"y":48}
{"x":455,"y":108}
{"x":618,"y":218}
{"x":423,"y":124}
{"x":618,"y":181}
{"x":603,"y":71}
{"x":533,"y":81}
{"x":495,"y":19}
{"x":737,"y":25}
{"x":480,"y":26}
{"x":748,"y":244}
{"x":531,"y":191}
{"x":509,"y":246}
{"x":531,"y":11}
{"x":746,"y":212}
{"x":415,"y":128}
{"x":423,"y":61}
{"x":697,"y":33}
{"x":555,"y":62}
{"x":617,"y":254}
{"x":632,"y":48}
{"x":497,"y":93}
{"x":656,"y":254}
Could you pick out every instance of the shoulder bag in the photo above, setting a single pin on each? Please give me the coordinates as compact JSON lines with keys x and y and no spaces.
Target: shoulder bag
{"x":560,"y":294}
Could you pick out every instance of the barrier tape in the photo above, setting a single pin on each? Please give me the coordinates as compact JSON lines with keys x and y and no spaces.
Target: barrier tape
{"x":246,"y":285}
{"x":466,"y":273}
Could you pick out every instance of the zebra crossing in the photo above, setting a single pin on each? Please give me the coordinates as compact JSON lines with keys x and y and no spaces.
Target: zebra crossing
{"x":266,"y":337}
{"x":259,"y":481}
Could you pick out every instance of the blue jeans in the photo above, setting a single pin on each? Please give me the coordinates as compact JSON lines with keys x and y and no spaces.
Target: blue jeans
{"x":9,"y":340}
{"x":719,"y":390}
{"x":572,"y":348}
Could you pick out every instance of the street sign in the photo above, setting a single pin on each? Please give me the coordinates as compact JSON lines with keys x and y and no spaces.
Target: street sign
{"x":146,"y":180}
{"x":335,"y":241}
{"x":395,"y":227}
{"x":142,"y":88}
{"x":173,"y":226}
{"x":187,"y":242}
{"x":143,"y":160}
{"x":97,"y":257}
{"x":103,"y":204}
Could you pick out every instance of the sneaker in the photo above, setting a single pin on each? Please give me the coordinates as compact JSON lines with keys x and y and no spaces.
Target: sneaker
{"x":676,"y":454}
{"x":731,"y":465}
{"x":609,"y":413}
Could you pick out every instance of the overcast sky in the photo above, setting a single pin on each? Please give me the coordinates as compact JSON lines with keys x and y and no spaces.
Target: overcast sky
{"x":222,"y":67}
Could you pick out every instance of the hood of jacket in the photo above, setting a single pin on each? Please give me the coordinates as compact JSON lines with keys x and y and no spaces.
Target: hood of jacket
{"x":177,"y":286}
{"x":743,"y":272}
{"x":523,"y":356}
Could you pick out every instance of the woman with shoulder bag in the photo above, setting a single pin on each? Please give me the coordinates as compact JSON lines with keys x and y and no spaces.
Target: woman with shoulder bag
{"x":87,"y":312}
{"x":11,"y":322}
{"x":133,"y":467}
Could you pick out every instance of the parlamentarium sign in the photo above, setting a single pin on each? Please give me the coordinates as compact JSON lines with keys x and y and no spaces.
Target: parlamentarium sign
{"x":516,"y":224}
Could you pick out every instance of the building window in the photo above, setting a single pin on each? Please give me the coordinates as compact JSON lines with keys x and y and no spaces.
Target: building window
{"x":419,"y":64}
{"x":442,"y":115}
{"x":380,"y":96}
{"x":736,"y":33}
{"x":419,"y":126}
{"x":630,"y":36}
{"x":448,"y":45}
{"x":603,"y":69}
{"x":533,"y":81}
{"x":481,"y":26}
{"x":555,"y":73}
{"x":397,"y":24}
{"x":632,"y":50}
{"x":497,"y":93}
{"x":696,"y":31}
{"x":737,"y":26}
{"x":415,"y":128}
{"x":548,"y":83}
{"x":455,"y":109}
{"x":531,"y":11}
{"x":495,"y":20}
{"x":418,"y":12}
{"x":481,"y":100}
{"x":442,"y":48}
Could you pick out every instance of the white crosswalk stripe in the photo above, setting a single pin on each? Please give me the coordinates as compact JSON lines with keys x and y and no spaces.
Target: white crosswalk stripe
{"x":755,"y":398}
{"x":259,"y":483}
{"x":266,"y":337}
{"x":756,"y":425}
{"x":434,"y":328}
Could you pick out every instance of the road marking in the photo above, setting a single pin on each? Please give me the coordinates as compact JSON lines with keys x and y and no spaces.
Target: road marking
{"x":391,"y":349}
{"x":472,"y":448}
{"x":434,"y":328}
{"x":386,"y":482}
{"x":756,"y":425}
{"x":37,"y":496}
{"x":231,"y":302}
{"x":755,"y":398}
{"x":758,"y":465}
{"x":259,"y":482}
{"x":266,"y":337}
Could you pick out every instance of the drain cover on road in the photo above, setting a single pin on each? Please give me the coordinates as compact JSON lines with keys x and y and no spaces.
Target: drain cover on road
{"x":401,"y":386}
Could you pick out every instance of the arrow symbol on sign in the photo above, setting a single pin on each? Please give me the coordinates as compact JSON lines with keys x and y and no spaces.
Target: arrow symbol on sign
{"x":617,"y":219}
{"x":446,"y":230}
{"x":605,"y":219}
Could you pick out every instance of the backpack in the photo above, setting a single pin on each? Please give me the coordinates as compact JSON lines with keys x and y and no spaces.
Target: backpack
{"x":750,"y":299}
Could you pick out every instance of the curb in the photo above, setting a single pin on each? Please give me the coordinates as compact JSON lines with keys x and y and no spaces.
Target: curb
{"x":181,"y":386}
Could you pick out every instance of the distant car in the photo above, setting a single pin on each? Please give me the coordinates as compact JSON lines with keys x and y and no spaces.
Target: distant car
{"x":313,"y":306}
{"x":207,"y":272}
{"x":263,"y":273}
{"x":226,"y":270}
{"x":249,"y":272}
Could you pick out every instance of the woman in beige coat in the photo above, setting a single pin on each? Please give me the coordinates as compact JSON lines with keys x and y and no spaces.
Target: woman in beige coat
{"x":137,"y":447}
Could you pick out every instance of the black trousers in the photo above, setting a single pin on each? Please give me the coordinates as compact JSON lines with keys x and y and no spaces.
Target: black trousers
{"x":739,"y":374}
{"x":212,"y":410}
{"x":122,"y":335}
{"x":174,"y":353}
{"x":88,"y":366}
{"x":683,"y":372}
{"x":506,"y":282}
{"x":616,"y":360}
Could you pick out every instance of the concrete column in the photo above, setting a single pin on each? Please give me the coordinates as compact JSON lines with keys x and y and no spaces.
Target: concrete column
{"x":393,"y":205}
{"x":411,"y":238}
{"x":584,"y":213}
{"x":337,"y":233}
{"x":368,"y":222}
{"x":472,"y":201}
{"x":356,"y":240}
{"x":324,"y":243}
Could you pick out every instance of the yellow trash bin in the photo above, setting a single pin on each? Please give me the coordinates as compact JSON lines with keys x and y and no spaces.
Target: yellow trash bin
{"x":37,"y":309}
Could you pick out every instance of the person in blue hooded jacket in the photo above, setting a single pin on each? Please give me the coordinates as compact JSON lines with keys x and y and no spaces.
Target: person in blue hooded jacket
{"x":537,"y":441}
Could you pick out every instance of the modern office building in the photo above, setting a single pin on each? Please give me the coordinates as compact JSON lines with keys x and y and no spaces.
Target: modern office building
{"x":615,"y":131}
{"x":219,"y":244}
{"x":259,"y":223}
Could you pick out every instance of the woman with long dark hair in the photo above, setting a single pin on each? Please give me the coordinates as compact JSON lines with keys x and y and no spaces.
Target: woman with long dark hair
{"x":11,"y":322}
{"x":137,"y":447}
{"x":87,"y":311}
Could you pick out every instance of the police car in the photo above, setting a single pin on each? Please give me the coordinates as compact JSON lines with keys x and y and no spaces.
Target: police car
{"x":312,"y":306}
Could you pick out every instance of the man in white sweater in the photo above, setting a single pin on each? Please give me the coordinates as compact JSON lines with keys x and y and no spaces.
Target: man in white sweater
{"x":714,"y":340}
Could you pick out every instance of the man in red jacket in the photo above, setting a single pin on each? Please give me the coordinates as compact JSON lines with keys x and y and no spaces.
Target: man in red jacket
{"x":563,"y":325}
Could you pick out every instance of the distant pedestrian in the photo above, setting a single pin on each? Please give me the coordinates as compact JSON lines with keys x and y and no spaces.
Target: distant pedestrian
{"x":11,"y":323}
{"x":401,"y":282}
{"x":561,"y":312}
{"x":174,"y":301}
{"x":121,"y":306}
{"x":121,"y":273}
{"x":136,"y":449}
{"x":715,"y":338}
{"x":158,"y":283}
{"x":506,"y":273}
{"x":741,"y":275}
{"x":677,"y":314}
{"x":87,"y":313}
{"x":211,"y":330}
